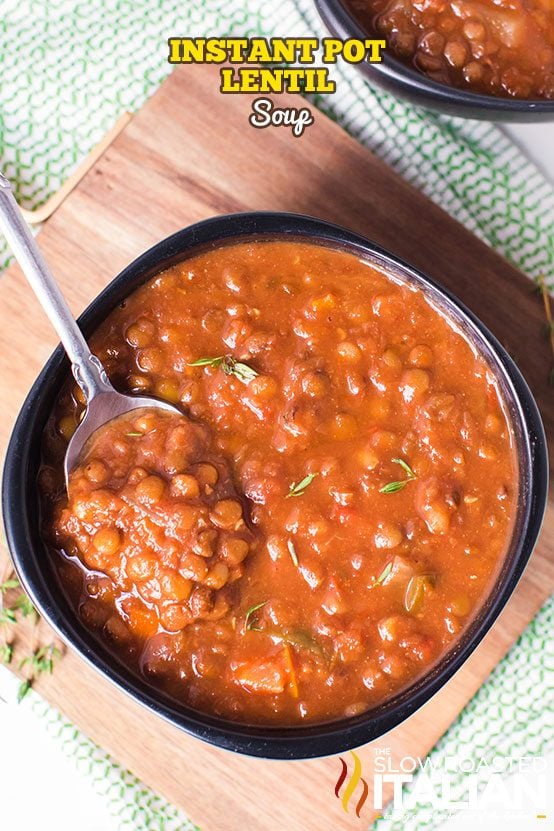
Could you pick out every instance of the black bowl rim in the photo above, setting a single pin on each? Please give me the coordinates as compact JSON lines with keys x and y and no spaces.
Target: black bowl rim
{"x":23,"y":539}
{"x":343,"y":23}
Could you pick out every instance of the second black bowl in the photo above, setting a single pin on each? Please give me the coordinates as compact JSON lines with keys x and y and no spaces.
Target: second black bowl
{"x":406,"y":82}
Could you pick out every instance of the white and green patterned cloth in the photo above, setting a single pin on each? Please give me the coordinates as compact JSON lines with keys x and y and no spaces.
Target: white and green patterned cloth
{"x":69,"y":69}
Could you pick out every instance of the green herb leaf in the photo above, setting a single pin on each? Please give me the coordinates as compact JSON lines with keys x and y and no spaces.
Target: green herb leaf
{"x":230,"y":366}
{"x":298,"y":488}
{"x":208,"y":361}
{"x":9,"y":584}
{"x":292,"y":552}
{"x":6,"y":653}
{"x":7,"y":617}
{"x":25,"y":606}
{"x":299,"y":638}
{"x":42,"y":659}
{"x":384,"y":574}
{"x":393,"y":487}
{"x":24,"y":688}
{"x":250,"y":619}
{"x":304,"y":640}
{"x":241,"y":371}
{"x":405,"y":467}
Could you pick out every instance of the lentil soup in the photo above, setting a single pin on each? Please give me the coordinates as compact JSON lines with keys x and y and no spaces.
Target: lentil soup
{"x":316,"y":531}
{"x":501,"y":48}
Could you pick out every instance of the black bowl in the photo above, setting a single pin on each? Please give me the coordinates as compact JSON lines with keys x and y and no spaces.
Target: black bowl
{"x":406,"y":82}
{"x":36,"y":572}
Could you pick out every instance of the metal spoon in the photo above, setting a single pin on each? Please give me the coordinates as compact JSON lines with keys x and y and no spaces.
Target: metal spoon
{"x":103,"y":402}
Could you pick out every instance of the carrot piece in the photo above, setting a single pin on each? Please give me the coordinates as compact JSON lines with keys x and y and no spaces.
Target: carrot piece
{"x":261,"y":677}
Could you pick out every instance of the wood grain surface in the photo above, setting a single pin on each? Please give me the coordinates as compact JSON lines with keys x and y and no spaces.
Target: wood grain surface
{"x":189,"y":154}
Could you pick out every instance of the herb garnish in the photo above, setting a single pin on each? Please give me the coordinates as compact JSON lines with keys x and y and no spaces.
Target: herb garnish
{"x":6,"y":653}
{"x":384,"y":574}
{"x":298,"y":638}
{"x":25,"y":606}
{"x":24,"y":688}
{"x":301,"y":640}
{"x":298,"y":488}
{"x":8,"y":584}
{"x":42,"y":659}
{"x":7,"y":616}
{"x":134,"y":434}
{"x":393,"y":487}
{"x":292,"y":552}
{"x":230,"y":366}
{"x":250,"y":619}
{"x":207,"y":361}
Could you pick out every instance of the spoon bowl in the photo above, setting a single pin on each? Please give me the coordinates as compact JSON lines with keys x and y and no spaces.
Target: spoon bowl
{"x":101,"y":409}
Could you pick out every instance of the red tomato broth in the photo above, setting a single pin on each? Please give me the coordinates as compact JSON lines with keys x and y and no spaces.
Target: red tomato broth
{"x":361,"y":383}
{"x":496,"y":48}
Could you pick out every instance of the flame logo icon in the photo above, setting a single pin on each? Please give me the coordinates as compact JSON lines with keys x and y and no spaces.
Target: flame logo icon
{"x":352,"y":784}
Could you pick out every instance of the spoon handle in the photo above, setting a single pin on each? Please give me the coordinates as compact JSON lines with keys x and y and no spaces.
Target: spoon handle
{"x":87,"y":369}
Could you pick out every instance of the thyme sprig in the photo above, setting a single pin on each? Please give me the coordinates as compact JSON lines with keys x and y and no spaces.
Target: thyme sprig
{"x":24,"y":605}
{"x":39,"y":662}
{"x":384,"y":574}
{"x":393,"y":487}
{"x":6,"y":653}
{"x":43,"y":657}
{"x":299,"y":488}
{"x":24,"y":688}
{"x":230,"y":366}
{"x":250,"y":619}
{"x":7,"y":616}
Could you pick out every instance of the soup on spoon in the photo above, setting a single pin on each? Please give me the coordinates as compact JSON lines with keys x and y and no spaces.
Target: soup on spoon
{"x":172,"y":542}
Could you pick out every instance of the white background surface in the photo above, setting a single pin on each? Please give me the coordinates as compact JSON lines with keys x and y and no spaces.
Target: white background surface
{"x":537,"y":141}
{"x":41,"y":789}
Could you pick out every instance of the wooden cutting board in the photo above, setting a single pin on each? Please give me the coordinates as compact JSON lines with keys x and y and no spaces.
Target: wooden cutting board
{"x":189,"y":154}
